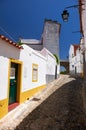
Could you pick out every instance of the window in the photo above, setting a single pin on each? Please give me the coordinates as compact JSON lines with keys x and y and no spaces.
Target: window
{"x":72,"y":66}
{"x":34,"y":72}
{"x":72,"y":55}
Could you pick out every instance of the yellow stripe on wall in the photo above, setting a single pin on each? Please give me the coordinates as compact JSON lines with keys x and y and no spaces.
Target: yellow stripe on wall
{"x":27,"y":94}
{"x":3,"y":107}
{"x":23,"y":97}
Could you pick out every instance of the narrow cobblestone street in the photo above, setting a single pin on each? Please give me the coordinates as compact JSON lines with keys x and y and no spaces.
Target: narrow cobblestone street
{"x":62,"y":110}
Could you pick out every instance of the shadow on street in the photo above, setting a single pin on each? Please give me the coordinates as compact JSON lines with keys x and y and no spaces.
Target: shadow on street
{"x":63,"y":110}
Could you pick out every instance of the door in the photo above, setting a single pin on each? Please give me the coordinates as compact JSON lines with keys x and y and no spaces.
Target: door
{"x":13,"y":83}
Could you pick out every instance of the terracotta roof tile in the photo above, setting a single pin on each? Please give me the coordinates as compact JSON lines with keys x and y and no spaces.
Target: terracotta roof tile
{"x":76,"y":46}
{"x":10,"y":42}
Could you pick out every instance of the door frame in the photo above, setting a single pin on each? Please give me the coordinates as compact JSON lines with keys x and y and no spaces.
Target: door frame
{"x":19,"y":81}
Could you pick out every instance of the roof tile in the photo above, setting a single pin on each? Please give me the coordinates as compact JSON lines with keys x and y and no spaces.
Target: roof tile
{"x":11,"y":42}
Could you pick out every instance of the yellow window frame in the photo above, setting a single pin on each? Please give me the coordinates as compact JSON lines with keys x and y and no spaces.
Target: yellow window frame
{"x":34,"y":72}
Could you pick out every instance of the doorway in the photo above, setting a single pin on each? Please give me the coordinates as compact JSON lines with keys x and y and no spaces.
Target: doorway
{"x":14,"y":83}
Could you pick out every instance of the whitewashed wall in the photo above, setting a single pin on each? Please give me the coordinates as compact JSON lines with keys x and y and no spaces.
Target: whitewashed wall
{"x":29,"y":57}
{"x":50,"y":65}
{"x":6,"y":51}
{"x":4,"y":63}
{"x":75,"y":62}
{"x":79,"y":62}
{"x":51,"y":62}
{"x":71,"y":60}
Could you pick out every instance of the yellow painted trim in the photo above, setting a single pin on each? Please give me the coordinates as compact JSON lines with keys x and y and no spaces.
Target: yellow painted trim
{"x":27,"y":94}
{"x":8,"y":79}
{"x":3,"y":107}
{"x":19,"y":84}
{"x":33,"y":80}
{"x":15,"y":61}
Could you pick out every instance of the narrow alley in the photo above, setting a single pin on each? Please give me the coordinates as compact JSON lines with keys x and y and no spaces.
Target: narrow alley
{"x":64,"y":109}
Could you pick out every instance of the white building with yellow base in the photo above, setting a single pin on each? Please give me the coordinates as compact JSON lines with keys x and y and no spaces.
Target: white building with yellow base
{"x":23,"y":73}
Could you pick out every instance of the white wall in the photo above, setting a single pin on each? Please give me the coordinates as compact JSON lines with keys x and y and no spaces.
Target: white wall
{"x":79,"y":61}
{"x":75,"y":62}
{"x":4,"y":63}
{"x":71,"y":60}
{"x":51,"y":63}
{"x":8,"y":50}
{"x":50,"y":66}
{"x":29,"y":57}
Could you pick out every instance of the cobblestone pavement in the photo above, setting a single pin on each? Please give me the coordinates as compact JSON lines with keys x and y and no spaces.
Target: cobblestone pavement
{"x":14,"y":117}
{"x":64,"y":109}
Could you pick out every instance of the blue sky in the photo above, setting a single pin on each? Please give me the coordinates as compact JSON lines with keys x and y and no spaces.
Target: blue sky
{"x":25,"y":18}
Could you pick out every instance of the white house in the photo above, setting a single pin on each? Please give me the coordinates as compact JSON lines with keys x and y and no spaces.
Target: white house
{"x":75,"y":60}
{"x":23,"y":73}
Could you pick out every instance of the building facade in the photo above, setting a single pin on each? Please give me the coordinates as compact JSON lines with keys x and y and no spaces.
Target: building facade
{"x":23,"y":73}
{"x":75,"y":60}
{"x":52,"y":68}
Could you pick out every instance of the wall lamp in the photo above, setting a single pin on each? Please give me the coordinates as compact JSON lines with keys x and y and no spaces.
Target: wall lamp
{"x":65,"y":13}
